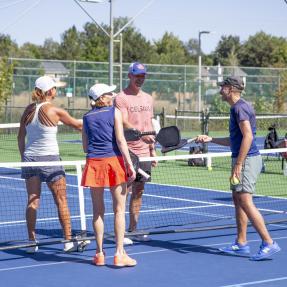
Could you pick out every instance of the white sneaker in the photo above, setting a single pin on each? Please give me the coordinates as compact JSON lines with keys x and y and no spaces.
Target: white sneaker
{"x":32,"y":249}
{"x":70,"y":247}
{"x":141,"y":238}
{"x":128,"y":241}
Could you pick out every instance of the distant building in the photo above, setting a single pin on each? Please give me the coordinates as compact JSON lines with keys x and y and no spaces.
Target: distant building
{"x":55,"y":70}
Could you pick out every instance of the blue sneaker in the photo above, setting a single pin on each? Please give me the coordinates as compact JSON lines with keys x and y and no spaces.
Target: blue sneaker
{"x":236,"y":249}
{"x":265,"y":251}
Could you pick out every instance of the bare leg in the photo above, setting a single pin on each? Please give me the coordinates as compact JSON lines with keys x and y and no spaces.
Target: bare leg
{"x":241,"y":220}
{"x":97,"y":194}
{"x":135,"y":204}
{"x":246,"y":202}
{"x":33,"y":185}
{"x":119,"y":193}
{"x":58,"y":189}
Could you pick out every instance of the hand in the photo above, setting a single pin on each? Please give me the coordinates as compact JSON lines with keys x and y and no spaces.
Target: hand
{"x":148,"y":139}
{"x":153,"y":154}
{"x":203,"y":139}
{"x":236,"y":172}
{"x":131,"y":173}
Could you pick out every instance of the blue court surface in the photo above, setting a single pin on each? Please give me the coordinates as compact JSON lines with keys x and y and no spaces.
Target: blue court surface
{"x":178,"y":259}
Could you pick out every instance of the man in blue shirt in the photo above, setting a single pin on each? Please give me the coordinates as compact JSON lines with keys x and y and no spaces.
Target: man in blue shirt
{"x":246,"y":167}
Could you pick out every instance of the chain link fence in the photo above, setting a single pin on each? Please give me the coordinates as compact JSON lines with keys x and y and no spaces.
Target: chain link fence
{"x":172,"y":86}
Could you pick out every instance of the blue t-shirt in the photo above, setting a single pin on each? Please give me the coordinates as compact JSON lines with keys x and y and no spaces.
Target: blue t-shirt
{"x":99,"y":127}
{"x":241,"y":111}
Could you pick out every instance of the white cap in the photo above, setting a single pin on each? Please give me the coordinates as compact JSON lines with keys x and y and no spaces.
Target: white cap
{"x":98,"y":90}
{"x":45,"y":83}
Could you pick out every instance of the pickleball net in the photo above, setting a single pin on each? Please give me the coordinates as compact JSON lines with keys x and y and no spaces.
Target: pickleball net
{"x":180,"y":198}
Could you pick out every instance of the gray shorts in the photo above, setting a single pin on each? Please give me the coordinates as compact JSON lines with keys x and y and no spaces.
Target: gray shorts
{"x":45,"y":173}
{"x":251,"y":169}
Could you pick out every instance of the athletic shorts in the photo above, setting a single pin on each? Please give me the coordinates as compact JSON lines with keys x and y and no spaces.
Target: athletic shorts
{"x":104,"y":172}
{"x":45,"y":173}
{"x":145,"y":166}
{"x":251,"y":169}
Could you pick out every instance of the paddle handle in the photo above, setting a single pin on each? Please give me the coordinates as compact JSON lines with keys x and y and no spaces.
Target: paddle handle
{"x":143,"y":173}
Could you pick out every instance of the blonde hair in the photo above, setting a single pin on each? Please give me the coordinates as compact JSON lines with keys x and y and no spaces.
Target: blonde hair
{"x":38,"y":95}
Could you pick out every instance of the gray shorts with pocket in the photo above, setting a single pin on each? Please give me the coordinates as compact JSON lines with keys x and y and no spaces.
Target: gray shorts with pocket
{"x":251,"y":169}
{"x":45,"y":173}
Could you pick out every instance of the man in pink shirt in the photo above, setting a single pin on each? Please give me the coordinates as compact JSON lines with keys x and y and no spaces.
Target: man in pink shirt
{"x":137,"y":111}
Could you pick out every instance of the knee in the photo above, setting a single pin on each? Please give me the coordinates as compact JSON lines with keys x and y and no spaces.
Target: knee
{"x":33,"y":203}
{"x":244,"y":202}
{"x":61,"y":200}
{"x":137,"y":193}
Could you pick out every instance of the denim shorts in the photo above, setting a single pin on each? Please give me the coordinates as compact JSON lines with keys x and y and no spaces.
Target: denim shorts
{"x":45,"y":173}
{"x":251,"y":169}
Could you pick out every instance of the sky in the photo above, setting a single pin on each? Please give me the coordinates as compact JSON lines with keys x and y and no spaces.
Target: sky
{"x":36,"y":20}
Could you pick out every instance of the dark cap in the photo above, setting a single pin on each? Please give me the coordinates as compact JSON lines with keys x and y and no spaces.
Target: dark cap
{"x":234,"y":82}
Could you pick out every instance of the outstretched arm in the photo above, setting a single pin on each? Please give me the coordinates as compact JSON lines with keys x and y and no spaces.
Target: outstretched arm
{"x":207,"y":139}
{"x":68,"y":120}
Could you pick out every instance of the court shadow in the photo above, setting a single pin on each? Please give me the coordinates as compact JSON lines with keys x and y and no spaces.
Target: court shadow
{"x":185,"y":248}
{"x":47,"y":256}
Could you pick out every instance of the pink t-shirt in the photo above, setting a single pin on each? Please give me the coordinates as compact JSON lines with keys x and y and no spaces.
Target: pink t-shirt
{"x":139,"y":111}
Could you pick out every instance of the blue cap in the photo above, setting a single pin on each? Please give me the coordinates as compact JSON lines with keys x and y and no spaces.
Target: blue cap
{"x":137,"y":68}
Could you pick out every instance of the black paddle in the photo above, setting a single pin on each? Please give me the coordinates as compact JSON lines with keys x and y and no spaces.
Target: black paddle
{"x":168,"y":136}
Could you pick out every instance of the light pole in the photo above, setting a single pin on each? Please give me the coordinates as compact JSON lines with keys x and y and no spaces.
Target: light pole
{"x":111,"y":34}
{"x":199,"y":67}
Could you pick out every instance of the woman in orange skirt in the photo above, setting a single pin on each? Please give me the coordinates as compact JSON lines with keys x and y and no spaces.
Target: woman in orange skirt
{"x":108,"y":164}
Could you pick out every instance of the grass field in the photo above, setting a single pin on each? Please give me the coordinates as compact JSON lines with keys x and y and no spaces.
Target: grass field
{"x":272,"y":182}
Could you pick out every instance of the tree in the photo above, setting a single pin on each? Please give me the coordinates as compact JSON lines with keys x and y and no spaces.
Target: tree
{"x":71,"y":47}
{"x":135,"y":45}
{"x":29,"y":50}
{"x":6,"y":80}
{"x":8,"y":48}
{"x":226,"y":51}
{"x":50,"y":49}
{"x":95,"y":43}
{"x":171,"y":50}
{"x":192,"y":47}
{"x":263,"y":50}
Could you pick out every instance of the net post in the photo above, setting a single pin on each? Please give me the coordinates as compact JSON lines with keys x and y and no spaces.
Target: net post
{"x":81,"y":198}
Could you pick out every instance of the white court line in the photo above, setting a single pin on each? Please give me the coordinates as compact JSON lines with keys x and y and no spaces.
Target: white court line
{"x":135,"y":253}
{"x":256,"y":282}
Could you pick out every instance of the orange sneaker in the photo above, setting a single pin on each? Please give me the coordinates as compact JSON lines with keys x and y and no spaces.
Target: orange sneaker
{"x":124,"y":261}
{"x":99,"y":259}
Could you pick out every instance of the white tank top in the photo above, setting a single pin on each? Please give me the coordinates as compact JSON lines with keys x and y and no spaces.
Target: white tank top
{"x":41,"y":139}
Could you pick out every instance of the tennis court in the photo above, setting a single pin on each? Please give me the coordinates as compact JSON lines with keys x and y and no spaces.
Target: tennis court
{"x":179,"y":198}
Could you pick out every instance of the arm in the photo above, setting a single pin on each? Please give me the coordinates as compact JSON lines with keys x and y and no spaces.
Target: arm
{"x":122,"y":144}
{"x":153,"y":154}
{"x":21,"y":136}
{"x":247,"y":138}
{"x":84,"y":141}
{"x":68,"y":120}
{"x":206,"y":139}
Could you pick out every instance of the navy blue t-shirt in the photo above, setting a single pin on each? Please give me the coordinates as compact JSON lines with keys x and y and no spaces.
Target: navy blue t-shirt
{"x":99,"y":127}
{"x":241,"y":111}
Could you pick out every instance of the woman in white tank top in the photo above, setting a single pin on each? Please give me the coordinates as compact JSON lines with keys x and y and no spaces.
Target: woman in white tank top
{"x":39,"y":126}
